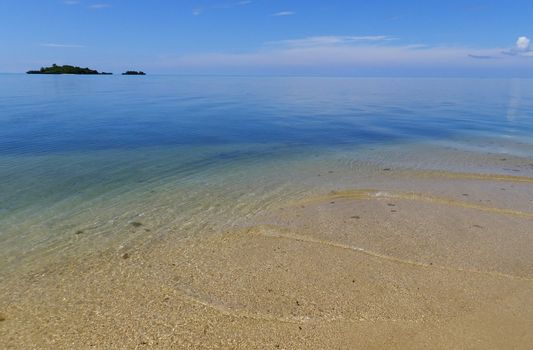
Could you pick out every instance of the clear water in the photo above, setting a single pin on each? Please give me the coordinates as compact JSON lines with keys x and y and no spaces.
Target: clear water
{"x":185,"y":154}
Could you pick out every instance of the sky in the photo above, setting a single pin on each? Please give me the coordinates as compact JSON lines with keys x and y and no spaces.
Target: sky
{"x":485,"y":38}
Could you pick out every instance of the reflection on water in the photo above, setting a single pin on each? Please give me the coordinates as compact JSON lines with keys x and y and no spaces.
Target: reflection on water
{"x":515,"y":99}
{"x":94,"y":154}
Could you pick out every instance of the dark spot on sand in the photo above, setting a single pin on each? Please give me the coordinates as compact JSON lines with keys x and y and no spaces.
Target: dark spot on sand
{"x":332,"y":203}
{"x":125,"y":256}
{"x":147,"y":230}
{"x":300,"y":327}
{"x":136,"y":224}
{"x":431,"y":263}
{"x":79,"y":232}
{"x":297,"y":303}
{"x":353,"y":281}
{"x":465,"y":194}
{"x":356,"y":217}
{"x":503,"y":159}
{"x":503,"y":189}
{"x":478,"y":226}
{"x":394,"y":211}
{"x":386,"y":169}
{"x":330,"y":172}
{"x":2,"y":318}
{"x":391,"y":205}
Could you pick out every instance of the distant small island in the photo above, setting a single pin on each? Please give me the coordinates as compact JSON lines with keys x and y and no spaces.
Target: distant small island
{"x":66,"y":69}
{"x":133,"y":72}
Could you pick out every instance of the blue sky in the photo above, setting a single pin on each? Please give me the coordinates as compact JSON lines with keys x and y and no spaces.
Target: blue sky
{"x":334,"y":37}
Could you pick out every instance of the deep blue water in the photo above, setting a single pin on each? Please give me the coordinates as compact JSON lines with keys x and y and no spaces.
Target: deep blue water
{"x":46,"y":114}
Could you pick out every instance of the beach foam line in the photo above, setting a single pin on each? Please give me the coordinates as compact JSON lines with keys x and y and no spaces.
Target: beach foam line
{"x":371,"y":194}
{"x":283,"y":233}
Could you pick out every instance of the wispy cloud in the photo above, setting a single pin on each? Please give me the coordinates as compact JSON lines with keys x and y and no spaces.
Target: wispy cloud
{"x":99,"y":6}
{"x":482,"y":57}
{"x":348,"y":53}
{"x":331,"y":40}
{"x":372,"y":54}
{"x":201,"y":10}
{"x":329,"y":55}
{"x":283,"y":13}
{"x":64,"y":46}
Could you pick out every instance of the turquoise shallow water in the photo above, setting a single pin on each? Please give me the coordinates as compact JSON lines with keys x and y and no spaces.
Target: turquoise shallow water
{"x":179,"y":154}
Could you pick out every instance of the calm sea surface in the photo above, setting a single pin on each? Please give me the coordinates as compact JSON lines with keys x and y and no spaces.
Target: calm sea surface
{"x":83,"y":159}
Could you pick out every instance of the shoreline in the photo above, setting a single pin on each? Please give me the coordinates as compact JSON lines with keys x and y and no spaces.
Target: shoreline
{"x":352,"y":268}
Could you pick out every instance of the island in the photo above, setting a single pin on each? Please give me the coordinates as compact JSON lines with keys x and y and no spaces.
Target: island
{"x":133,"y":72}
{"x":66,"y":69}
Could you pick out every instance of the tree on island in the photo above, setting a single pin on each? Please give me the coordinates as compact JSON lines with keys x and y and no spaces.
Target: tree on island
{"x":66,"y":69}
{"x":133,"y":72}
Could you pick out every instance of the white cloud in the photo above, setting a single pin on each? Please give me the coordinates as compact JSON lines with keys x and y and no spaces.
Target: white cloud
{"x":64,"y":46}
{"x":522,"y":44}
{"x":284,"y":13}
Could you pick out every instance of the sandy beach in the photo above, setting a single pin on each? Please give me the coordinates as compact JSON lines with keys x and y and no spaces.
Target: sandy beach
{"x":437,"y":260}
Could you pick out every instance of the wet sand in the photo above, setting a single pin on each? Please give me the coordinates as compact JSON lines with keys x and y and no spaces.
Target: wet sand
{"x":412,"y":260}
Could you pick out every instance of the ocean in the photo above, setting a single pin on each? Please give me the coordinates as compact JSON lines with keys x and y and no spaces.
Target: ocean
{"x":91,"y":163}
